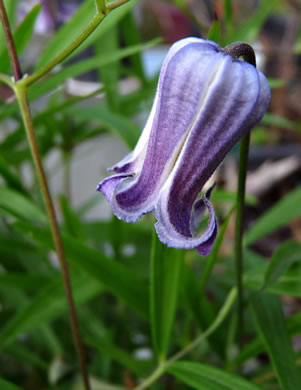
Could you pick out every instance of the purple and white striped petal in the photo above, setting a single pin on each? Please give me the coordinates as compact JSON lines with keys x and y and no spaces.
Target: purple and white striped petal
{"x":205,"y":102}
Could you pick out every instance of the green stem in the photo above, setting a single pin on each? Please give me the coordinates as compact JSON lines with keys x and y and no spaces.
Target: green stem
{"x":21,"y":95}
{"x":240,"y":203}
{"x":10,"y":43}
{"x":213,"y":255}
{"x":26,"y":81}
{"x":217,"y":322}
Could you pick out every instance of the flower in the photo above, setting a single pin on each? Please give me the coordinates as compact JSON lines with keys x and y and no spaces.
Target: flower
{"x":206,"y":101}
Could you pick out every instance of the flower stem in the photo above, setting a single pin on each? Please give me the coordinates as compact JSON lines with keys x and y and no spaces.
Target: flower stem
{"x":240,"y":202}
{"x":10,"y":43}
{"x":75,"y":44}
{"x":66,"y":52}
{"x":21,"y":95}
{"x":163,"y":365}
{"x":237,"y":50}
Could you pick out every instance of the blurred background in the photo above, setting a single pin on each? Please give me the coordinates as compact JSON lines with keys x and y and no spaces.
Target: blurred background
{"x":88,"y":113}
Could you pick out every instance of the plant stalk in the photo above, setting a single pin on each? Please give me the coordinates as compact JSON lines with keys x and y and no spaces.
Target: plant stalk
{"x":163,"y":365}
{"x":10,"y":43}
{"x":74,"y":45}
{"x":21,"y":95}
{"x":22,"y":98}
{"x":240,"y":203}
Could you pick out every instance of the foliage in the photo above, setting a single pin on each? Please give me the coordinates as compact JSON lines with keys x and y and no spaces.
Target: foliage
{"x":148,"y":315}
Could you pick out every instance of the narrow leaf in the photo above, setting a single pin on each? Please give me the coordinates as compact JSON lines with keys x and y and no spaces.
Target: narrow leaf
{"x":79,"y":21}
{"x":4,"y":385}
{"x":16,"y":204}
{"x":287,"y":254}
{"x":47,"y":305}
{"x":22,"y":37}
{"x":283,"y":212}
{"x":203,"y":377}
{"x":113,"y":275}
{"x":271,"y":326}
{"x":214,"y":32}
{"x":165,"y":271}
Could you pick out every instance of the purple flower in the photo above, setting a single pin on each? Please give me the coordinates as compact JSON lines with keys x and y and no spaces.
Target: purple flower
{"x":205,"y":102}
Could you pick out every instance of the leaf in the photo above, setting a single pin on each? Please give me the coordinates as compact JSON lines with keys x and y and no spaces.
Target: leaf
{"x":19,"y":206}
{"x":131,"y":36}
{"x":22,"y":37}
{"x":288,"y":284}
{"x":11,"y":8}
{"x":113,"y":275}
{"x":84,"y":66}
{"x":124,"y":358}
{"x":49,"y":303}
{"x":165,"y":271}
{"x":203,"y":377}
{"x":118,"y":124}
{"x":275,"y":120}
{"x":256,"y":347}
{"x":73,"y":224}
{"x":214,"y":32}
{"x":4,"y":385}
{"x":284,"y":211}
{"x":249,"y":30}
{"x":109,"y":75}
{"x":271,"y":327}
{"x":229,"y":196}
{"x":79,"y":21}
{"x":287,"y":254}
{"x":11,"y":179}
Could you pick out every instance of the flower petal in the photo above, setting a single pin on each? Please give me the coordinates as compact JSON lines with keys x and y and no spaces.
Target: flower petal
{"x":173,"y":112}
{"x":237,"y":99}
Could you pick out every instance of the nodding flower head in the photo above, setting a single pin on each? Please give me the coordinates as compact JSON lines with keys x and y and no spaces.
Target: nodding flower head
{"x":206,"y":100}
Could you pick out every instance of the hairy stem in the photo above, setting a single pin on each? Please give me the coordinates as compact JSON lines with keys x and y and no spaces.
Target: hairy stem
{"x":240,"y":203}
{"x":21,"y":95}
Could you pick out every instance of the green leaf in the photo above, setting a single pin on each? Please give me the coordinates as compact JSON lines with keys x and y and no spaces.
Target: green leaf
{"x":276,"y":83}
{"x":203,"y":377}
{"x":165,"y":271}
{"x":131,"y":36}
{"x":286,"y":210}
{"x":80,"y":20}
{"x":109,"y":75}
{"x":287,"y":254}
{"x":22,"y":37}
{"x":124,"y":358}
{"x":256,"y":346}
{"x":113,"y":275}
{"x":288,"y":284}
{"x":11,"y":8}
{"x":118,"y":124}
{"x":73,"y":224}
{"x":271,"y":327}
{"x":16,"y":204}
{"x":214,"y":32}
{"x":11,"y":179}
{"x":49,"y":303}
{"x":4,"y":385}
{"x":229,"y":196}
{"x":249,"y":30}
{"x":275,"y":120}
{"x":84,"y":66}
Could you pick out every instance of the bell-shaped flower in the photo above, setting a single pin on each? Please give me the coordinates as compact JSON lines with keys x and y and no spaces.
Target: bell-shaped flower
{"x":206,"y":101}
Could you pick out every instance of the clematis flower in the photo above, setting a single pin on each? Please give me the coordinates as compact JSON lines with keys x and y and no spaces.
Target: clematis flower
{"x":206,"y":101}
